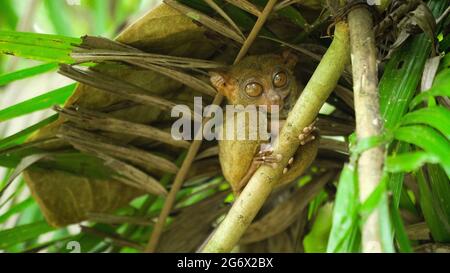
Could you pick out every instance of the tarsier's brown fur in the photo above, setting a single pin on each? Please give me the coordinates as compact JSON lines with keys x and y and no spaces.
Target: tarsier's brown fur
{"x":260,"y":80}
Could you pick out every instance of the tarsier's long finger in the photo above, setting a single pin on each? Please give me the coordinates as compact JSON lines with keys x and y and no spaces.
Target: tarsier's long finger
{"x":307,"y":139}
{"x":306,"y":135}
{"x":264,"y":153}
{"x":289,"y":165}
{"x":268,"y":159}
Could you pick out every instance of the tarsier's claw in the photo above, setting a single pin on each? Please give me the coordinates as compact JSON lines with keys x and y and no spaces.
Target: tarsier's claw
{"x":285,"y":170}
{"x":291,"y":161}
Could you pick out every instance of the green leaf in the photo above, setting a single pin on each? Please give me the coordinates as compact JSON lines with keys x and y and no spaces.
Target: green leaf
{"x":387,"y":238}
{"x":26,"y":73}
{"x":368,"y":143}
{"x":101,"y":16}
{"x":17,"y":208}
{"x":396,"y":179}
{"x":23,"y":233}
{"x":374,"y":199}
{"x":345,"y":214}
{"x":23,"y":165}
{"x":401,"y":77}
{"x":432,"y":210}
{"x":408,"y":162}
{"x":294,"y":16}
{"x":440,"y":188}
{"x":441,"y":87}
{"x":427,"y":139}
{"x":47,"y":100}
{"x":437,"y":117}
{"x":41,"y":47}
{"x":400,"y":233}
{"x":57,"y":13}
{"x":403,"y":73}
{"x":317,"y":239}
{"x":21,"y":136}
{"x":8,"y":15}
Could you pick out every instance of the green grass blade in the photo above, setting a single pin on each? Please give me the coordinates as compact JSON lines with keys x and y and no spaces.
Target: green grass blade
{"x":431,"y":210}
{"x":8,"y":15}
{"x":57,"y":96}
{"x":17,"y":208}
{"x":403,"y":73}
{"x":41,"y":47}
{"x":101,"y":16}
{"x":440,"y":187}
{"x":23,"y":233}
{"x":374,"y":199}
{"x":345,"y":213}
{"x":26,"y":73}
{"x":36,"y":39}
{"x":396,"y":179}
{"x":441,"y":87}
{"x":387,"y":237}
{"x":408,"y":162}
{"x":21,"y":136}
{"x":401,"y":237}
{"x":24,"y":164}
{"x":57,"y":13}
{"x":437,"y":117}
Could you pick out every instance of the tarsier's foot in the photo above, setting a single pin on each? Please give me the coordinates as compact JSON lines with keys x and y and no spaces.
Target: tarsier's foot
{"x":307,"y":135}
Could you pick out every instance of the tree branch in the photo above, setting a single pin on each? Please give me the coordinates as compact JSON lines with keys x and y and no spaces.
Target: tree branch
{"x":368,"y":121}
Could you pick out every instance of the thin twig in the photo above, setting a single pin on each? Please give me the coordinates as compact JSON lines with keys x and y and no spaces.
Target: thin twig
{"x":225,"y":16}
{"x":195,"y":146}
{"x":247,"y":6}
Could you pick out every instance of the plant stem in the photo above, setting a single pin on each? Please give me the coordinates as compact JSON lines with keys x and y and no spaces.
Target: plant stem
{"x":196,"y":143}
{"x":368,"y":121}
{"x":320,"y":86}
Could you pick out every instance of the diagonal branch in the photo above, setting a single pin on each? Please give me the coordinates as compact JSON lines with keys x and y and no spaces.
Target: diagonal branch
{"x":320,"y":86}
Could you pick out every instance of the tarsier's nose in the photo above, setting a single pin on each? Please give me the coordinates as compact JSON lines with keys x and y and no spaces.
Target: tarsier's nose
{"x":274,"y":99}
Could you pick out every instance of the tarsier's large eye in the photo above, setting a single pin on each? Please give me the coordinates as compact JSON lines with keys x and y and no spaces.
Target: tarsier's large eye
{"x":280,"y":79}
{"x":254,"y":89}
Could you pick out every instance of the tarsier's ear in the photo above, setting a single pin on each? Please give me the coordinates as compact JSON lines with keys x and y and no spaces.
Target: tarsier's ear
{"x":219,"y":80}
{"x":290,"y":59}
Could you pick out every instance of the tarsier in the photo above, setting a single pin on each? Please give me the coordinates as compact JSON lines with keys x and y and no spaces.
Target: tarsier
{"x":262,"y":80}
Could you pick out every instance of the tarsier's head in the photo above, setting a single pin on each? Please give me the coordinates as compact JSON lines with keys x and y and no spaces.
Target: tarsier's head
{"x":259,"y":80}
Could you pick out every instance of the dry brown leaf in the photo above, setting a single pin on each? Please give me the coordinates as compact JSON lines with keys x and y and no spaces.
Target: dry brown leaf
{"x":284,"y":215}
{"x":65,"y":198}
{"x":193,"y":225}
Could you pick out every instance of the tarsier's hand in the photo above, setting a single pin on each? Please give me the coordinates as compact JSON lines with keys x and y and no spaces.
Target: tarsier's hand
{"x":266,"y":157}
